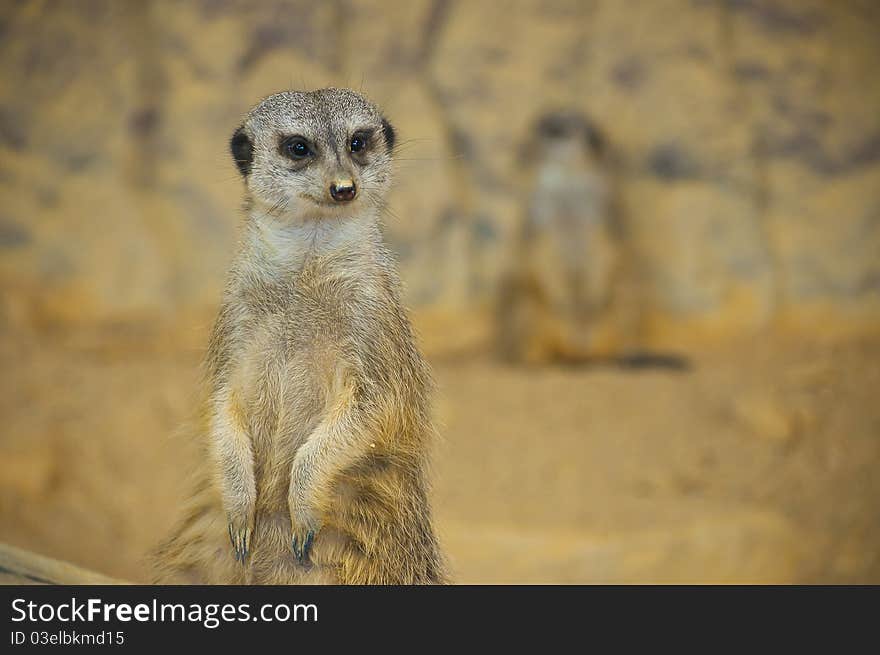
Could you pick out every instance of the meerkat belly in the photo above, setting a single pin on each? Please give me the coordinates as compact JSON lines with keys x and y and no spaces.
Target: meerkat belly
{"x":281,"y":394}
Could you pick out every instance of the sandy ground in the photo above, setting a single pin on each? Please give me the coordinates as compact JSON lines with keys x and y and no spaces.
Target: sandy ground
{"x":759,"y":464}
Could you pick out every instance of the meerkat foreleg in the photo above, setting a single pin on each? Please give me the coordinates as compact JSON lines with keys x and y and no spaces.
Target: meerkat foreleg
{"x":234,"y":459}
{"x":336,"y":442}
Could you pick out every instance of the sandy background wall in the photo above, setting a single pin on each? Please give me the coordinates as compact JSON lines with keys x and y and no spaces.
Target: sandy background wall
{"x":746,"y":136}
{"x":746,"y":150}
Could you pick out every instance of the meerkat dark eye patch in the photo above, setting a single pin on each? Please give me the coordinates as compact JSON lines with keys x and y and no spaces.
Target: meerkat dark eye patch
{"x":390,"y":135}
{"x":295,"y":147}
{"x":242,"y":149}
{"x":359,"y":141}
{"x":554,"y":126}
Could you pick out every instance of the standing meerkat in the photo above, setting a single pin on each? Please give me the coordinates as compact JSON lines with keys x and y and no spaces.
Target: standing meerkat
{"x":316,"y":418}
{"x":557,"y":295}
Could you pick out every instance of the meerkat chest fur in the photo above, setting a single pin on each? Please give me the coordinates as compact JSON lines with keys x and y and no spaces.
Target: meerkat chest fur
{"x":305,"y":298}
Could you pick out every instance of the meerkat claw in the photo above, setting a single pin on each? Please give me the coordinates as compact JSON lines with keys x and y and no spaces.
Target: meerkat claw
{"x":240,"y":545}
{"x":302,"y":549}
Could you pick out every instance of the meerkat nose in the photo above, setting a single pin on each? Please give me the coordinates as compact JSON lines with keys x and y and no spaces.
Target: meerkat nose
{"x":343,"y":191}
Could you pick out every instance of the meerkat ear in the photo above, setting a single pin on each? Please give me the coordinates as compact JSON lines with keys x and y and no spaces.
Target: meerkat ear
{"x":390,"y":135}
{"x":242,"y":149}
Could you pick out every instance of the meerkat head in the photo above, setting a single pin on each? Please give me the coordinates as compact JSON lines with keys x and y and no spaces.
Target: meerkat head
{"x":567,"y":136}
{"x":314,"y":154}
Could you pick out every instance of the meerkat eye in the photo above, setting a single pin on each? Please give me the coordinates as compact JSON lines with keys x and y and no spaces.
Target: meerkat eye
{"x":295,"y":148}
{"x":358,"y":142}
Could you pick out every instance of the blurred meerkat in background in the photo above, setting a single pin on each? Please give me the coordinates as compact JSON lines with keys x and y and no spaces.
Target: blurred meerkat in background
{"x":559,"y":285}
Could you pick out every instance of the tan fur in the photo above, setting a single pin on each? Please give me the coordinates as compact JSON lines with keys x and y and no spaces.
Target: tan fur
{"x":317,"y":413}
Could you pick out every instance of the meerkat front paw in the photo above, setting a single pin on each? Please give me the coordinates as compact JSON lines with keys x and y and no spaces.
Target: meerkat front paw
{"x":301,"y":543}
{"x":240,"y":525}
{"x":304,"y":526}
{"x":240,"y":537}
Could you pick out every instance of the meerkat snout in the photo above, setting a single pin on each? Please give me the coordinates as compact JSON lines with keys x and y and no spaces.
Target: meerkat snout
{"x":343,"y":190}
